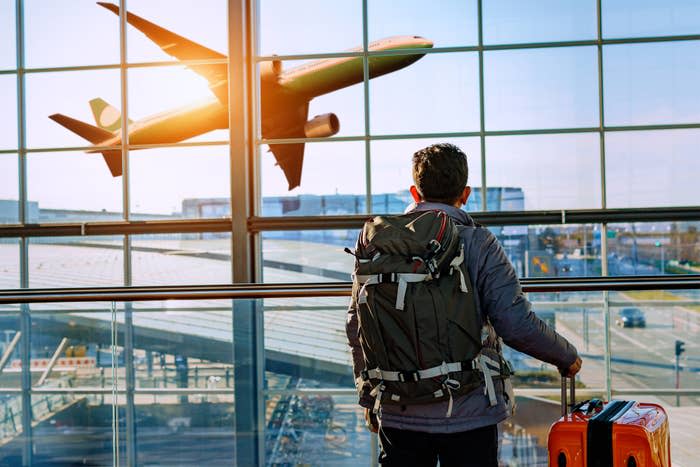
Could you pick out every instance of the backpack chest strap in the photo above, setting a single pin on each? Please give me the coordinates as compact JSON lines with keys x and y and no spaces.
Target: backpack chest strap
{"x":401,"y":278}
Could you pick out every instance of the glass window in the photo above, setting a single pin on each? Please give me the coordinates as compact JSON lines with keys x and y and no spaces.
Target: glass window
{"x":645,"y":18}
{"x":11,"y":372}
{"x":652,"y":83}
{"x":9,"y":263}
{"x":652,"y":168}
{"x":552,"y":171}
{"x":69,"y":34}
{"x":440,"y":92}
{"x":182,"y":175}
{"x":328,"y":168}
{"x":76,"y":261}
{"x":652,"y":248}
{"x":453,"y":24}
{"x":8,"y":53}
{"x":8,"y":111}
{"x":312,"y":26}
{"x":181,"y":259}
{"x":203,"y":23}
{"x":541,"y":88}
{"x":71,"y":186}
{"x":515,"y":21}
{"x":308,"y":255}
{"x":283,"y":116}
{"x":9,"y":189}
{"x":67,"y":93}
{"x":171,"y":104}
{"x":392,"y":169}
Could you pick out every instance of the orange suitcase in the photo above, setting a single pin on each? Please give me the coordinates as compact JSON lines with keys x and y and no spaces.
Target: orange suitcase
{"x":605,"y":434}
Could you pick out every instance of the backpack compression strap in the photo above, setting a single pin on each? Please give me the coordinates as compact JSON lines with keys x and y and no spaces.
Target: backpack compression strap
{"x":401,"y":278}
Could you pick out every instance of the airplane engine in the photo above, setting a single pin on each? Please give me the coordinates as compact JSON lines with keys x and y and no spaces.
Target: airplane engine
{"x":270,"y":71}
{"x":322,"y":126}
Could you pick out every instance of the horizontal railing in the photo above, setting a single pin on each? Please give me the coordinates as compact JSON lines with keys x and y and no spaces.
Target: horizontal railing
{"x":331,"y":289}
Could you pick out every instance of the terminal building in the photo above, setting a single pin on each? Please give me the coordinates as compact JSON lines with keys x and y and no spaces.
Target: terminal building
{"x":178,"y":185}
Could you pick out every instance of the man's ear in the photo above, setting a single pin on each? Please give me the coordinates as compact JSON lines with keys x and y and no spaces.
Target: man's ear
{"x":465,"y":195}
{"x":414,"y":193}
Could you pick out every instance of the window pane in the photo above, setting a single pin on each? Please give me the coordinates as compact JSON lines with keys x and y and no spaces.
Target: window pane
{"x":8,"y":54}
{"x":635,"y":363}
{"x":282,"y":113}
{"x":181,"y":259}
{"x":201,"y":22}
{"x":172,"y":104}
{"x":453,"y":24}
{"x":640,"y":18}
{"x":450,"y":101}
{"x":652,"y":83}
{"x":72,"y":186}
{"x":653,"y":248}
{"x":308,"y":255}
{"x":553,"y":171}
{"x":8,"y":111}
{"x":392,"y":170}
{"x":312,"y":26}
{"x":9,"y":263}
{"x":9,"y":190}
{"x":67,"y":93}
{"x":180,"y":174}
{"x":76,"y":261}
{"x":514,"y":21}
{"x":69,"y":34}
{"x":9,"y":327}
{"x":328,"y":168}
{"x":652,"y":168}
{"x":541,"y":88}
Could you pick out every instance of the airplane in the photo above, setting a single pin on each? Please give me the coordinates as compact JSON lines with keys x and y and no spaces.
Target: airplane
{"x":284,"y":98}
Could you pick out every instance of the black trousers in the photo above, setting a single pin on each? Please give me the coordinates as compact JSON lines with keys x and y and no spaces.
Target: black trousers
{"x":402,"y":448}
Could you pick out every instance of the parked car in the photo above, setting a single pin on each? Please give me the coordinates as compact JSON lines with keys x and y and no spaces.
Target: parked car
{"x":630,"y":318}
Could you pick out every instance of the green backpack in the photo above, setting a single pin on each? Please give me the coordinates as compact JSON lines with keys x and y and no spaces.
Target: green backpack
{"x":419,"y":328}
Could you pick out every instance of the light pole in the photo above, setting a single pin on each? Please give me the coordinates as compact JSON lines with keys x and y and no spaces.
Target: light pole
{"x":680,"y":348}
{"x":658,"y":244}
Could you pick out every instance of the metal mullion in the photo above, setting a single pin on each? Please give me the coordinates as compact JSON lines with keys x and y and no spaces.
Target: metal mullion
{"x":255,"y":192}
{"x":482,"y":108}
{"x":366,"y":104}
{"x":8,"y":72}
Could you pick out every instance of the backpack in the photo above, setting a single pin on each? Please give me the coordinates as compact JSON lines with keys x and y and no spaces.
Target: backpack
{"x":419,"y":327}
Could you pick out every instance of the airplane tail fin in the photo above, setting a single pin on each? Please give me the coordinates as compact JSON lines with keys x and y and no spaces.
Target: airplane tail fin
{"x":106,"y":115}
{"x":95,"y":135}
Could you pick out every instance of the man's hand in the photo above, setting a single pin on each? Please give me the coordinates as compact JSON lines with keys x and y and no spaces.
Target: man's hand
{"x":573,"y":369}
{"x":371,"y":421}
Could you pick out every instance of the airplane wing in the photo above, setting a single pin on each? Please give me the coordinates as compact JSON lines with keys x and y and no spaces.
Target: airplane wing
{"x":182,"y":49}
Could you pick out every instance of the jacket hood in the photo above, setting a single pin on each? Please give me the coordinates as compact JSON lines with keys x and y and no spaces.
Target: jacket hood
{"x":457,"y":215}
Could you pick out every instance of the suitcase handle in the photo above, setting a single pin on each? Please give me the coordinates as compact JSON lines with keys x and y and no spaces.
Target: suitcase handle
{"x":572,"y":390}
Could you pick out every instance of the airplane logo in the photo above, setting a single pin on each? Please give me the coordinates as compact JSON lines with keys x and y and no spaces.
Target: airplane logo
{"x":284,"y":98}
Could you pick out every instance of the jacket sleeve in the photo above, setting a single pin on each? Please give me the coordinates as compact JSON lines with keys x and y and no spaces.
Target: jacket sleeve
{"x":358,"y":362}
{"x":509,"y":312}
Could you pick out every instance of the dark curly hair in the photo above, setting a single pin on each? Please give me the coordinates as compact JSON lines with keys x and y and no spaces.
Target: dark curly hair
{"x":440,"y":172}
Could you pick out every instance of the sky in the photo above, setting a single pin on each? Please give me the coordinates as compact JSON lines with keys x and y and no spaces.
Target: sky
{"x":524,"y":89}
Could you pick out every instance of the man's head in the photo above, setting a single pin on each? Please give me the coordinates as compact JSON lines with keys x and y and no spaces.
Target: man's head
{"x":440,"y":174}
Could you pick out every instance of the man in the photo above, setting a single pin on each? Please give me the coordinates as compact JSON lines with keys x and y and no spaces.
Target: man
{"x":420,"y":435}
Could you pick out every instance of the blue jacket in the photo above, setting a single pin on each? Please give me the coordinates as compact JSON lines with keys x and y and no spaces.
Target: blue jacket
{"x":509,"y":315}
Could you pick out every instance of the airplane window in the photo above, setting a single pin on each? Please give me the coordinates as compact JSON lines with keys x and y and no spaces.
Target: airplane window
{"x":179,"y":174}
{"x":530,"y":162}
{"x":541,"y":88}
{"x":78,"y":32}
{"x":76,"y":182}
{"x":182,"y":259}
{"x":68,"y":94}
{"x":8,"y":111}
{"x":8,"y":54}
{"x":453,"y":24}
{"x":201,"y":26}
{"x":640,"y":18}
{"x":652,"y":168}
{"x":438,"y":93}
{"x":342,"y":165}
{"x":652,"y":83}
{"x":391,"y":169}
{"x":312,"y":26}
{"x":9,"y":189}
{"x":517,"y":21}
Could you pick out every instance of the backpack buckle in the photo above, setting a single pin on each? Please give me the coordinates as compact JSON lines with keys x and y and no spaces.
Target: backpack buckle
{"x":405,"y":376}
{"x":364,"y":374}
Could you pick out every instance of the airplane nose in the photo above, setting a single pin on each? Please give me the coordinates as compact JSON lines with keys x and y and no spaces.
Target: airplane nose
{"x":424,"y":42}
